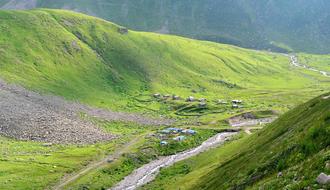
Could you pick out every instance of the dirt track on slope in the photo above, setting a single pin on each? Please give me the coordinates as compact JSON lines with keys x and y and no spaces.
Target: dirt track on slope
{"x":26,"y":115}
{"x":92,"y":166}
{"x":248,"y":119}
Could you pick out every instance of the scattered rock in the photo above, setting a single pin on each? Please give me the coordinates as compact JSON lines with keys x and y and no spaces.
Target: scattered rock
{"x":166,"y":96}
{"x":174,"y":97}
{"x":202,"y":105}
{"x":237,"y":101}
{"x":27,"y":115}
{"x":326,"y":97}
{"x":47,"y":144}
{"x":157,"y":95}
{"x":75,"y":45}
{"x":190,"y":99}
{"x":327,"y":166}
{"x":202,"y":100}
{"x":123,"y":30}
{"x":222,"y":102}
{"x":323,"y":179}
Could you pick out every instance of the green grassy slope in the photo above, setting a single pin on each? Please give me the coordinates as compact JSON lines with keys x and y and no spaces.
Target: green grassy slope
{"x":32,"y":165}
{"x":297,"y":144}
{"x":320,"y":62}
{"x":298,"y":25}
{"x":87,"y":59}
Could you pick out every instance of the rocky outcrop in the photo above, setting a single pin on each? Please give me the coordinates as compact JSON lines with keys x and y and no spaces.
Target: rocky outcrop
{"x":323,"y":179}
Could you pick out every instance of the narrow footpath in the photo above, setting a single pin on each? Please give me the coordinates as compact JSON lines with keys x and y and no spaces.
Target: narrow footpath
{"x":98,"y":164}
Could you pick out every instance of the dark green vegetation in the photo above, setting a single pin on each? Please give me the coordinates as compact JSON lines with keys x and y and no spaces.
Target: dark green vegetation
{"x":283,"y":25}
{"x":297,"y":144}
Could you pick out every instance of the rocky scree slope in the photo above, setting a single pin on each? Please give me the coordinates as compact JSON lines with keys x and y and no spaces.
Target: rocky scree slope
{"x":26,"y":115}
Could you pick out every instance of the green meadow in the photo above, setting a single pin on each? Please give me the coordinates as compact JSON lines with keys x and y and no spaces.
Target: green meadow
{"x":95,"y":62}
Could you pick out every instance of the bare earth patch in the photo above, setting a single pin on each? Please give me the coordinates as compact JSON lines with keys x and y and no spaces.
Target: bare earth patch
{"x":248,"y":119}
{"x":326,"y":97}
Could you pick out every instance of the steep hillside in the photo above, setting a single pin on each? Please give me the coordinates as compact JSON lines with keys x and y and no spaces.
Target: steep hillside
{"x":289,"y":153}
{"x":99,"y":63}
{"x":298,"y":25}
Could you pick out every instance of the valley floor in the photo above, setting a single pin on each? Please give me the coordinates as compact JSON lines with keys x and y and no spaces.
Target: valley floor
{"x":104,"y":164}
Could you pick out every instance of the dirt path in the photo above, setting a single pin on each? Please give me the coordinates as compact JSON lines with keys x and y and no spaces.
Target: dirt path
{"x":149,"y":171}
{"x":27,"y":115}
{"x":295,"y":62}
{"x":248,"y":130}
{"x":252,"y":122}
{"x":71,"y":178}
{"x":326,"y":97}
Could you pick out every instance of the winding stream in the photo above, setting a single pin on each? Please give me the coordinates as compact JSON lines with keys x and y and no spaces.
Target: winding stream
{"x":294,"y":62}
{"x":149,"y":171}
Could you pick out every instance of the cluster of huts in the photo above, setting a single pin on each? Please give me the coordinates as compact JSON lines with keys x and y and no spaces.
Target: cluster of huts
{"x":175,"y":134}
{"x":202,"y":101}
{"x":237,"y":103}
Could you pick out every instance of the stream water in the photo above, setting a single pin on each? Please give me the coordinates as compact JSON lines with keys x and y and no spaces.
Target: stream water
{"x":149,"y":171}
{"x":294,"y":62}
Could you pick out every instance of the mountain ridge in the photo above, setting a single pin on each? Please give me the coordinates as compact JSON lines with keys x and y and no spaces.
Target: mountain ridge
{"x":284,"y":26}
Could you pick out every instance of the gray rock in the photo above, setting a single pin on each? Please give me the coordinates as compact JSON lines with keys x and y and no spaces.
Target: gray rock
{"x":47,"y":144}
{"x":323,"y":179}
{"x":327,"y":166}
{"x":75,"y":45}
{"x":190,"y":99}
{"x":27,"y":115}
{"x":123,"y":30}
{"x":174,"y":97}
